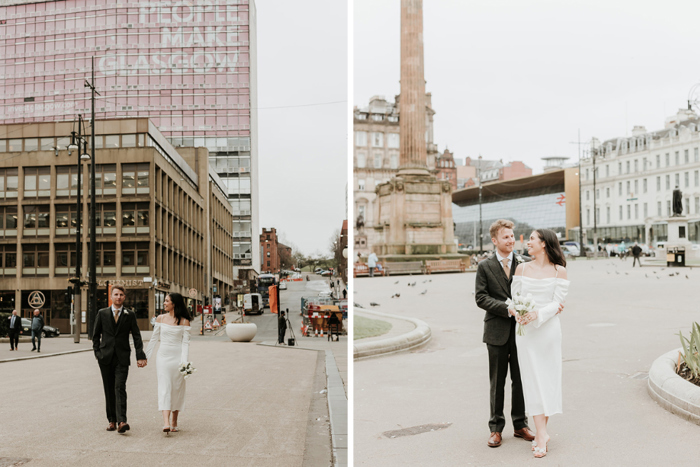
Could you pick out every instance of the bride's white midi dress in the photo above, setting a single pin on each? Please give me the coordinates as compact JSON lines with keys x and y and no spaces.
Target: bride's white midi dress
{"x":174,"y":350}
{"x":539,"y":350}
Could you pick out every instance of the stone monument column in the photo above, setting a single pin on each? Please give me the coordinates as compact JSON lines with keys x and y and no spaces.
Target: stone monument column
{"x":412,"y":105}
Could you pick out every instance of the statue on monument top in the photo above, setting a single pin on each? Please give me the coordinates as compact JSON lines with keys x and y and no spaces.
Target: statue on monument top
{"x":677,"y":202}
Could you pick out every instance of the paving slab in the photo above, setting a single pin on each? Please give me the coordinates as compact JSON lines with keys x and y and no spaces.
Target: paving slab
{"x":617,"y":321}
{"x":247,"y":405}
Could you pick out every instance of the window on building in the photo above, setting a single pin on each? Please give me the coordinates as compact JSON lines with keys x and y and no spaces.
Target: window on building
{"x":607,"y":170}
{"x":620,"y":212}
{"x":65,"y":259}
{"x":636,"y":165}
{"x":66,"y":219}
{"x":8,"y":221}
{"x":686,"y":155}
{"x":644,"y":185}
{"x":658,"y":183}
{"x":135,"y":218}
{"x":361,"y":138}
{"x":67,"y":181}
{"x":106,"y":257}
{"x":134,"y":178}
{"x":687,"y":206}
{"x":393,"y":140}
{"x":697,"y":178}
{"x":134,"y":257}
{"x":35,"y":260}
{"x":37,"y":182}
{"x":636,"y":211}
{"x":658,"y":161}
{"x":361,"y":185}
{"x":597,"y":193}
{"x":619,"y":168}
{"x":668,"y":159}
{"x":687,"y":179}
{"x":629,"y":190}
{"x":268,"y":253}
{"x":377,"y":139}
{"x":678,"y":180}
{"x":629,"y":211}
{"x":8,"y":183}
{"x":597,"y":215}
{"x":644,"y":163}
{"x":607,"y":214}
{"x":668,"y":208}
{"x":668,"y":182}
{"x":588,"y":216}
{"x":36,"y":220}
{"x":696,"y":155}
{"x":619,"y":186}
{"x":106,"y":179}
{"x":361,"y":160}
{"x":8,"y":260}
{"x":646,"y":211}
{"x":378,"y":163}
{"x":106,"y":218}
{"x":678,"y":157}
{"x":636,"y":186}
{"x":697,"y":204}
{"x":627,"y":167}
{"x":607,"y":192}
{"x":394,"y":161}
{"x":588,"y":195}
{"x":658,"y":208}
{"x":586,"y":174}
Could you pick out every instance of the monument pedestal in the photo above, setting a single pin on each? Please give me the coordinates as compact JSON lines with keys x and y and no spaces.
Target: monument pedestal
{"x":678,"y":247}
{"x":414,"y":216}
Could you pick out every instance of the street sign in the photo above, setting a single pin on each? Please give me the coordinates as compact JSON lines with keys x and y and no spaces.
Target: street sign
{"x":216,"y":323}
{"x":207,"y":325}
{"x":207,"y":309}
{"x":193,"y":293}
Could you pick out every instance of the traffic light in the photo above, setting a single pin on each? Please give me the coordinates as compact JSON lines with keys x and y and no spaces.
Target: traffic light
{"x":68,"y":298}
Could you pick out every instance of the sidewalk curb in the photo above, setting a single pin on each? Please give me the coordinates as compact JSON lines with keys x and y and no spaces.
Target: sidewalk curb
{"x":672,"y":392}
{"x":418,"y":337}
{"x":45,"y":355}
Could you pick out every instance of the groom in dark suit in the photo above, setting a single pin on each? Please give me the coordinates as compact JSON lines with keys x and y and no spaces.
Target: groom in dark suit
{"x":110,"y":341}
{"x":493,"y":279}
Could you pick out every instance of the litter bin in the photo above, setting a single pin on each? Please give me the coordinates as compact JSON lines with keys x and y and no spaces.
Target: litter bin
{"x":675,"y":257}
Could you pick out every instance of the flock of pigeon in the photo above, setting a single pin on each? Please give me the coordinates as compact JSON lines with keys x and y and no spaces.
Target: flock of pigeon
{"x":398,"y":294}
{"x":658,"y":275}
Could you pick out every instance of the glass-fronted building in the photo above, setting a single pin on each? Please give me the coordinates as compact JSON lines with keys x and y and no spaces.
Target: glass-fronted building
{"x":548,"y":200}
{"x":190,"y":67}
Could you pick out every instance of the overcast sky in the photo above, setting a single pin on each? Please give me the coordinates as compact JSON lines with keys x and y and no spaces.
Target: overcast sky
{"x":515,"y":80}
{"x":302,"y":59}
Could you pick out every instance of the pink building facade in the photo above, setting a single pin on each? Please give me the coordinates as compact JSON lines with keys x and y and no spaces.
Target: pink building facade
{"x":190,"y":67}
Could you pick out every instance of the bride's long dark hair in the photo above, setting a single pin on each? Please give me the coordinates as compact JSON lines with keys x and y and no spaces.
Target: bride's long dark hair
{"x":551,"y":246}
{"x":181,"y":311}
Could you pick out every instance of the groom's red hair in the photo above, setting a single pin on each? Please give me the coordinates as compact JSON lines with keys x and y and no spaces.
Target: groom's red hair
{"x":498,"y":225}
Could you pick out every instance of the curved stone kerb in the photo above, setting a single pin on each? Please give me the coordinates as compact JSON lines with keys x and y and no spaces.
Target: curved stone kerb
{"x":672,"y":392}
{"x":411,"y":340}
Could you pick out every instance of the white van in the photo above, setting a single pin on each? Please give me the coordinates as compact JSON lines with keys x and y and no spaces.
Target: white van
{"x":253,"y":303}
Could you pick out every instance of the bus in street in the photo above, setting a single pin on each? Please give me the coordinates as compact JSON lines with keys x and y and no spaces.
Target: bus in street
{"x":264,"y":282}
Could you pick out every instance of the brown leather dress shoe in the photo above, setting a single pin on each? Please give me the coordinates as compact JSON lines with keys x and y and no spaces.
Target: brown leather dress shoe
{"x":123,"y":427}
{"x":524,"y":433}
{"x":112,"y":426}
{"x":495,"y":440}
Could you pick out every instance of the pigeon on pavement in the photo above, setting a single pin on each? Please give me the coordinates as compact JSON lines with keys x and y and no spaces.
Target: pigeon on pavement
{"x":373,"y":304}
{"x":396,"y":295}
{"x":424,"y":292}
{"x":396,"y":282}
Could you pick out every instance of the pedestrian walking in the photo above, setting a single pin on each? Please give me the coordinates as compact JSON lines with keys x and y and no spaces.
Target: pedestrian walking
{"x":372,"y":263}
{"x":15,"y":330}
{"x":345,"y":294}
{"x":636,"y":253}
{"x":281,"y":327}
{"x":37,"y":328}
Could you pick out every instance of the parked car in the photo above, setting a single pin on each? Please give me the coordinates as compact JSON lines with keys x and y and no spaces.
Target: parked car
{"x":326,"y":273}
{"x":49,"y":331}
{"x":569,"y":251}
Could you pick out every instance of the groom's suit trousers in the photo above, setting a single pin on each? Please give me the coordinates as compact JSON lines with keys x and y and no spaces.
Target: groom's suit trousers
{"x":501,"y":358}
{"x":114,"y":376}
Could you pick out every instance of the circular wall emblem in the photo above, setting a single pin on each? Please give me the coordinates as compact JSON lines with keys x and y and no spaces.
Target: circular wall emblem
{"x":193,"y":293}
{"x":36,"y":299}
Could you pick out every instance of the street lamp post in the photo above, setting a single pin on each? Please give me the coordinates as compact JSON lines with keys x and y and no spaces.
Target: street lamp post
{"x":92,"y":288}
{"x":481,"y":235}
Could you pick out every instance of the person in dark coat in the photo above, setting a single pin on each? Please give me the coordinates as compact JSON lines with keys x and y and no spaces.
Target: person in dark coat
{"x":37,"y":328}
{"x":281,"y":326}
{"x":15,"y":330}
{"x":636,"y":252}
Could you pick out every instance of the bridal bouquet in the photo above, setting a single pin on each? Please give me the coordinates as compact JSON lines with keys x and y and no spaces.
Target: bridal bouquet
{"x":521,"y":305}
{"x":187,"y":369}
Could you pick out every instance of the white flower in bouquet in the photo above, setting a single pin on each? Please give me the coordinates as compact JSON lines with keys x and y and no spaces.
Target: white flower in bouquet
{"x":522,"y":306}
{"x":187,"y":369}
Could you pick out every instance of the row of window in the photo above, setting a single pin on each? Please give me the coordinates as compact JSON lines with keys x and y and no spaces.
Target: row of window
{"x":37,"y":180}
{"x":134,"y":258}
{"x":634,"y":166}
{"x":378,"y":161}
{"x":631,"y":211}
{"x":632,"y":186}
{"x":377,"y":139}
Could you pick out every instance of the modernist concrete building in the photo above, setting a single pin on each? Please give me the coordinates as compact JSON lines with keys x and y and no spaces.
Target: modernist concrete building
{"x":549,"y":200}
{"x":163,"y":220}
{"x":376,"y":158}
{"x":635,"y":178}
{"x":190,"y":67}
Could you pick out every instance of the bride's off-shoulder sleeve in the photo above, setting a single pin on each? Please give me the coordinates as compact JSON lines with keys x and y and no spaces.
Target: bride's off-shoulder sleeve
{"x":516,"y":286}
{"x":561,"y":289}
{"x":152,"y":343}
{"x":185,"y":345}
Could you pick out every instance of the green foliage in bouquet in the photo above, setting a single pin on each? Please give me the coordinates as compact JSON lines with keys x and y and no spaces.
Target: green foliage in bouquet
{"x":691,"y":350}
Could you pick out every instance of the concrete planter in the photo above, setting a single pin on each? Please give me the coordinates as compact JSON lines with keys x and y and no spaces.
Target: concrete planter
{"x":241,"y":332}
{"x":414,"y":339}
{"x":672,"y":392}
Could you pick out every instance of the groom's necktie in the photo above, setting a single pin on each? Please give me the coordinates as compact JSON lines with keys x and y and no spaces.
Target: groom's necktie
{"x":506,"y":268}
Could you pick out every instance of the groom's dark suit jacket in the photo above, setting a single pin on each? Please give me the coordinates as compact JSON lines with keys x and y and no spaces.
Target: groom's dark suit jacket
{"x":110,"y":338}
{"x":492,"y":290}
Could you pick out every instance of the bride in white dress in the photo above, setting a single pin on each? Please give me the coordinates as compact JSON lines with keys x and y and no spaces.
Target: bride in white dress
{"x":173,"y":330}
{"x":539,"y":350}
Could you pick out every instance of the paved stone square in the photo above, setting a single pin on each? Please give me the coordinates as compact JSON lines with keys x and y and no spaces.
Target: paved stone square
{"x":617,"y":321}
